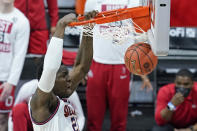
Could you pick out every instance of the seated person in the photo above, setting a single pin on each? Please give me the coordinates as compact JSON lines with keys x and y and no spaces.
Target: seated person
{"x":176,"y":107}
{"x":19,"y":119}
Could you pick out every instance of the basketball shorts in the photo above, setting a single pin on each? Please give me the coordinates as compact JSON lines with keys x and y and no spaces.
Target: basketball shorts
{"x":38,"y":42}
{"x":6,"y":106}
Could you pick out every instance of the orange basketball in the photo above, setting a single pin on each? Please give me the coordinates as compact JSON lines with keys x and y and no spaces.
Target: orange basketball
{"x":139,"y":59}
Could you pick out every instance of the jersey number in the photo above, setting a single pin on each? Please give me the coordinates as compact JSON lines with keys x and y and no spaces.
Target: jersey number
{"x":9,"y":101}
{"x":74,"y":124}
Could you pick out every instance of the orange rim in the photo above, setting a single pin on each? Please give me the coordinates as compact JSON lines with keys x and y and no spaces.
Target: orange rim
{"x":114,"y":15}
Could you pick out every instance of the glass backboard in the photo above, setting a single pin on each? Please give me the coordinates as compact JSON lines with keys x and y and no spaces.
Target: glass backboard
{"x":160,"y":25}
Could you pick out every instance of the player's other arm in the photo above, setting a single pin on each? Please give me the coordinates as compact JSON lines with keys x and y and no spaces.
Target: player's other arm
{"x":82,"y":62}
{"x":84,"y":56}
{"x":43,"y":97}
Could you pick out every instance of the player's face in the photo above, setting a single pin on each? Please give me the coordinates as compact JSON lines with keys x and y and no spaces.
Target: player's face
{"x":62,"y":86}
{"x":184,"y":82}
{"x":184,"y":85}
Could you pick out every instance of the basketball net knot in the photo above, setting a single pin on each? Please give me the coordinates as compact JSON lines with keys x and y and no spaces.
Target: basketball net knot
{"x":88,"y":30}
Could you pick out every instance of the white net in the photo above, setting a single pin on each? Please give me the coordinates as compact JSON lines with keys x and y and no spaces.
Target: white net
{"x":121,"y":33}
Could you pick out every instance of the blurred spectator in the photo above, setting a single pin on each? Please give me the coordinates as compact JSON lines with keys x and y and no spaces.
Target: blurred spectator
{"x":68,"y":57}
{"x":180,"y":8}
{"x":14,"y":37}
{"x":108,"y":78}
{"x":176,"y":105}
{"x":19,"y":119}
{"x":35,"y":12}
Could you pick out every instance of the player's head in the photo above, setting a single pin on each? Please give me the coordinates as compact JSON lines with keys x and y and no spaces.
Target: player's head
{"x":184,"y":82}
{"x":62,"y":82}
{"x":62,"y":87}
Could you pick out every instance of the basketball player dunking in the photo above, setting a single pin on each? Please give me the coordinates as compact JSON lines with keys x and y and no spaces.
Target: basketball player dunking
{"x":48,"y":111}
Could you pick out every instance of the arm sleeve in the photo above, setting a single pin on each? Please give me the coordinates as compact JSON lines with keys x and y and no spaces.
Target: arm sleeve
{"x":52,"y":62}
{"x":162,"y":101}
{"x":53,"y":11}
{"x":74,"y":99}
{"x":19,"y":51}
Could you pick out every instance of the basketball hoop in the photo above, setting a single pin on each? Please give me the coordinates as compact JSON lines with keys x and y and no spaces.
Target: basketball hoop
{"x":114,"y":15}
{"x":136,"y":22}
{"x":150,"y":22}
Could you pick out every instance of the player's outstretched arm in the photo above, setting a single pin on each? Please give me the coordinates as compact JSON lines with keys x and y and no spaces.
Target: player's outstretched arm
{"x":84,"y":56}
{"x":43,"y":97}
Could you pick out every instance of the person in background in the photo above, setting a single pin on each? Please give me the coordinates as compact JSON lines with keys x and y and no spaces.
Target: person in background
{"x":108,"y":79}
{"x":176,"y":106}
{"x":34,"y":10}
{"x":14,"y":38}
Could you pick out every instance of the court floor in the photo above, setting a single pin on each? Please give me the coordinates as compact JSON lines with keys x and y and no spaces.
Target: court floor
{"x":142,"y":122}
